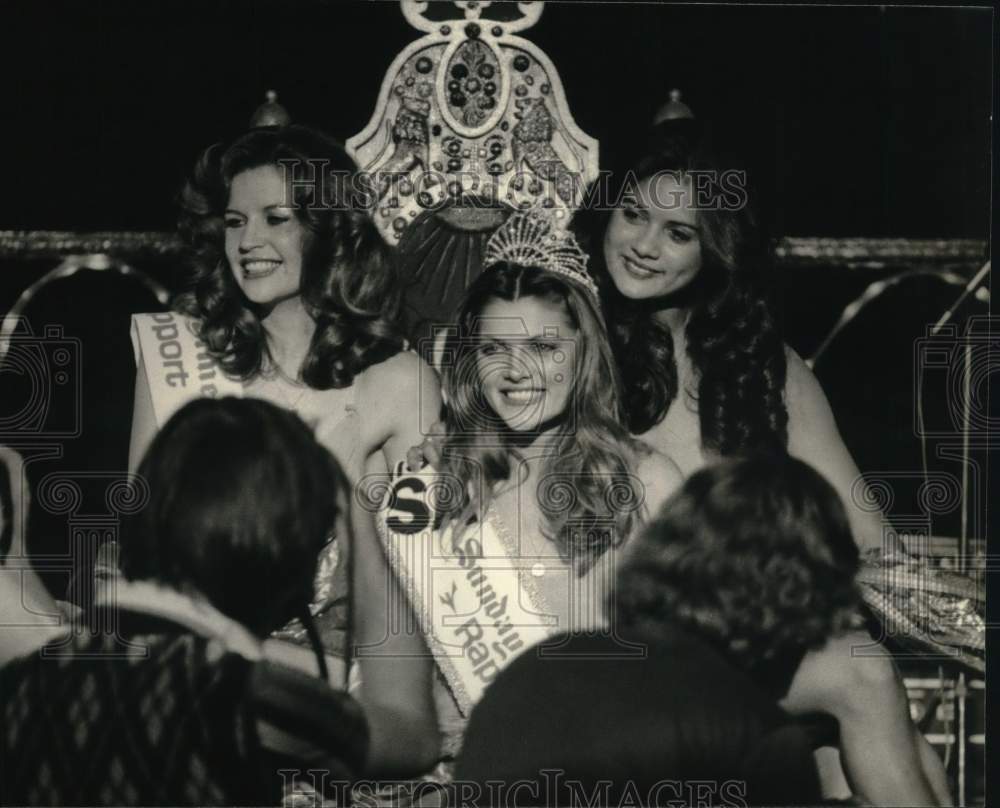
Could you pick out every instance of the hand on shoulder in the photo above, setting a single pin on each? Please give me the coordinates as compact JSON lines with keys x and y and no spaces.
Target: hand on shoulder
{"x":660,"y":477}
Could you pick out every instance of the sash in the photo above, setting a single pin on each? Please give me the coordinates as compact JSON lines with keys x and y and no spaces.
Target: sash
{"x":178,"y":366}
{"x":477,"y":610}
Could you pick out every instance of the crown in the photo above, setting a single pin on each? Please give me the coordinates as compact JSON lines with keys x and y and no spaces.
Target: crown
{"x":531,"y":239}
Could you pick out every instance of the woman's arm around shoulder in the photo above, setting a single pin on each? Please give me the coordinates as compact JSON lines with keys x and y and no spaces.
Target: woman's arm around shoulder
{"x":396,"y":400}
{"x":814,"y":438}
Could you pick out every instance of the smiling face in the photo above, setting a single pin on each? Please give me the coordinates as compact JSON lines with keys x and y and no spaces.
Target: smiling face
{"x":526,"y":361}
{"x":265,"y":240}
{"x":652,"y":246}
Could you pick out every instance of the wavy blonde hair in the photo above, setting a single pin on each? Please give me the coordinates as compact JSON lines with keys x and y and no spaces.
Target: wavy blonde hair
{"x":586,"y":488}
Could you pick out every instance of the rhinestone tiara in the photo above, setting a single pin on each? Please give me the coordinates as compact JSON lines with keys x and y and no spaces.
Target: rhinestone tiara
{"x":530,"y":238}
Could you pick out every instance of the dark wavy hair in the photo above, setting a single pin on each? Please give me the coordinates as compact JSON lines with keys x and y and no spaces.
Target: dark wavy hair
{"x":732,"y":337}
{"x":242,"y":501}
{"x":586,"y":479}
{"x":754,"y":553}
{"x":349,"y":284}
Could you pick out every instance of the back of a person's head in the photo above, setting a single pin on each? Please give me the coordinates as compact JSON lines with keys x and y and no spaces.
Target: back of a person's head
{"x":241,"y":501}
{"x":754,"y":554}
{"x":584,"y":719}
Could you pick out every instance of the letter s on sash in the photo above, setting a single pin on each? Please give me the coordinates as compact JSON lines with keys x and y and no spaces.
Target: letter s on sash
{"x":413,"y":506}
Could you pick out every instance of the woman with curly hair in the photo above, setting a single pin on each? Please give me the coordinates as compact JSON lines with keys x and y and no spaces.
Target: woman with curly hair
{"x":292,"y":300}
{"x":685,"y":275}
{"x":707,"y":375}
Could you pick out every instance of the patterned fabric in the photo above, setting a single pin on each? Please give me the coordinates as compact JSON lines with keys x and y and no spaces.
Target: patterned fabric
{"x":102,"y":724}
{"x":165,"y":718}
{"x":924,"y":611}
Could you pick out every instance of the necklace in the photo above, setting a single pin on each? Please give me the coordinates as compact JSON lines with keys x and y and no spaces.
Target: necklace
{"x":279,"y":380}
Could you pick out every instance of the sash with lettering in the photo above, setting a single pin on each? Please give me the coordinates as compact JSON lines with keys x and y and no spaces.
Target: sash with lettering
{"x":477,"y":610}
{"x":177,"y":363}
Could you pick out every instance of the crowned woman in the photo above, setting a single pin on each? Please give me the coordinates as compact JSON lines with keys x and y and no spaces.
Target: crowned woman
{"x":539,"y":485}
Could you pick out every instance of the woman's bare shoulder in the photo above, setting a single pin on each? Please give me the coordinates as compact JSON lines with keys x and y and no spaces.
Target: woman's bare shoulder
{"x":802,"y":388}
{"x":399,"y":381}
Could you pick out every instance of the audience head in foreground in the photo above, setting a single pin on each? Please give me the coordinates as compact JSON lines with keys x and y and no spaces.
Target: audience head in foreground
{"x":166,"y":698}
{"x":242,"y":500}
{"x":746,"y":567}
{"x":754,"y":555}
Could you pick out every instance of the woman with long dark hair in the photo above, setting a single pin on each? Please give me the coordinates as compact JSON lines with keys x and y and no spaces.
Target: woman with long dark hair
{"x":292,"y":299}
{"x":706,"y":374}
{"x":685,"y":274}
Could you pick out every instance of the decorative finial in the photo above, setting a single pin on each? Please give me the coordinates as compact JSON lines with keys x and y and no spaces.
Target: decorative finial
{"x":270,"y":113}
{"x":470,"y":111}
{"x":530,"y":238}
{"x":673,"y":109}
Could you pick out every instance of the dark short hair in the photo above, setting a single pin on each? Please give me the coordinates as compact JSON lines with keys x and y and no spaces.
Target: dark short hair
{"x":242,"y":500}
{"x":754,"y":553}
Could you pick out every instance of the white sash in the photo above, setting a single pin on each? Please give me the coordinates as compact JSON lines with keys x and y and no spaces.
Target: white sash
{"x":178,"y":365}
{"x":477,"y":609}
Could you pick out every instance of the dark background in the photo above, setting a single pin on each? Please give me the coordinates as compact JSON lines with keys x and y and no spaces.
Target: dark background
{"x":861,"y":121}
{"x":855,"y":121}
